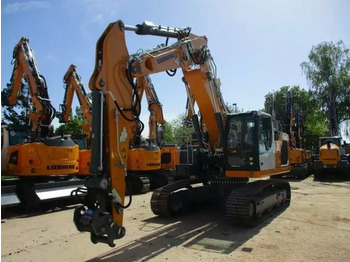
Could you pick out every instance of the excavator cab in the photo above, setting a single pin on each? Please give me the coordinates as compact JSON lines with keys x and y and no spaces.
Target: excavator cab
{"x":249,"y":140}
{"x":251,"y":145}
{"x":330,"y":140}
{"x":18,"y":135}
{"x":11,"y":137}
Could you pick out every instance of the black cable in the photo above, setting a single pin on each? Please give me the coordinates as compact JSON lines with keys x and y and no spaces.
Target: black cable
{"x":198,"y":56}
{"x":142,"y":126}
{"x":136,"y":97}
{"x":136,"y":101}
{"x":46,"y":94}
{"x":130,"y":200}
{"x":75,"y":192}
{"x":171,"y":72}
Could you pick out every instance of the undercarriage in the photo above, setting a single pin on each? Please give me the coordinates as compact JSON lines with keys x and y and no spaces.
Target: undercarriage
{"x":246,"y":204}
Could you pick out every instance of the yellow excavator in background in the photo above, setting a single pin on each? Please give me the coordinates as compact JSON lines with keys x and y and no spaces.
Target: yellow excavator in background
{"x":300,"y":158}
{"x":332,"y":158}
{"x":346,"y":148}
{"x":144,"y":166}
{"x":73,"y":84}
{"x":151,"y":164}
{"x":30,"y":154}
{"x":235,"y":148}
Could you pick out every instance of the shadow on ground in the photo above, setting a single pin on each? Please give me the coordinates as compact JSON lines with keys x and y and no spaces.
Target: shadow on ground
{"x":333,"y":178}
{"x":44,"y":207}
{"x":203,"y":230}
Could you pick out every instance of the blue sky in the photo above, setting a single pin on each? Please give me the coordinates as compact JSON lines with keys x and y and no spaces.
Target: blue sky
{"x":258,"y":46}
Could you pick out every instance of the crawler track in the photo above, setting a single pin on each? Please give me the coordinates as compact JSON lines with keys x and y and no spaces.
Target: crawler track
{"x":137,"y":184}
{"x":187,"y":194}
{"x":246,"y":204}
{"x":253,"y":203}
{"x":161,"y":196}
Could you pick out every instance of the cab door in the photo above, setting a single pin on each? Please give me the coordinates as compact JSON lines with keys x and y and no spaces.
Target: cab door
{"x":266,"y":143}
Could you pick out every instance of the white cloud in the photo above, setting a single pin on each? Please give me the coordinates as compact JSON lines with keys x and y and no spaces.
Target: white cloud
{"x":52,"y":58}
{"x":24,"y":6}
{"x":97,"y":12}
{"x":97,"y":19}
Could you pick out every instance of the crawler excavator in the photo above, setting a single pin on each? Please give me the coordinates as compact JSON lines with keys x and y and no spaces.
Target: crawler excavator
{"x":300,"y":158}
{"x":73,"y":84}
{"x":169,"y":153}
{"x":144,"y":161}
{"x":235,"y":148}
{"x":30,"y":154}
{"x":332,"y":158}
{"x":151,"y":165}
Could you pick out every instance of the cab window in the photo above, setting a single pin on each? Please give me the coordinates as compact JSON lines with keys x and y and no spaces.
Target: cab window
{"x":265,"y":134}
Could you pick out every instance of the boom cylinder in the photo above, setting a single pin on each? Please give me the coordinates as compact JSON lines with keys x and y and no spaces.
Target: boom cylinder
{"x":148,"y":28}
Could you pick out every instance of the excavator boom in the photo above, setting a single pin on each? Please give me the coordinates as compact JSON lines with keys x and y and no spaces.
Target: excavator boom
{"x":156,"y":118}
{"x":25,"y":68}
{"x":73,"y":84}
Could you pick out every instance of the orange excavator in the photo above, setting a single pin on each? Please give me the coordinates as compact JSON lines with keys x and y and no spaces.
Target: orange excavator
{"x":300,"y":158}
{"x":73,"y":84}
{"x":33,"y":157}
{"x":144,"y":161}
{"x":236,"y":147}
{"x":150,"y":165}
{"x":169,"y":153}
{"x":332,"y":157}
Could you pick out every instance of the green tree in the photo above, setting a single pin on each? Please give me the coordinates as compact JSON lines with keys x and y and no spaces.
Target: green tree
{"x":17,"y":115}
{"x":182,"y":132}
{"x":168,"y":134}
{"x":314,"y":118}
{"x":328,"y":75}
{"x":79,"y":114}
{"x":72,"y":127}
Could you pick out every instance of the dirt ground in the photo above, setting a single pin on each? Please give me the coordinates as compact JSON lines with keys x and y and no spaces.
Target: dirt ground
{"x":316,"y":227}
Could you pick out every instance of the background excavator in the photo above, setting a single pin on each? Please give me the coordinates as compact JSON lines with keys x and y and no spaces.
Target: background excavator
{"x":234,"y":148}
{"x":73,"y":84}
{"x":144,"y":159}
{"x":30,"y":154}
{"x":300,"y":158}
{"x":150,"y":164}
{"x":332,"y":157}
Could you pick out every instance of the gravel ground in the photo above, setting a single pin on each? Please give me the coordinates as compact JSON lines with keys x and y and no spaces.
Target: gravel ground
{"x":315,"y":227}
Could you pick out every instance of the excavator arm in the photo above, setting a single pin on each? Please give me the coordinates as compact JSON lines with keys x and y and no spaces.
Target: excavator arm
{"x":73,"y":84}
{"x":190,"y":111}
{"x":156,"y":118}
{"x":192,"y":55}
{"x":115,"y":109}
{"x":42,"y":112}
